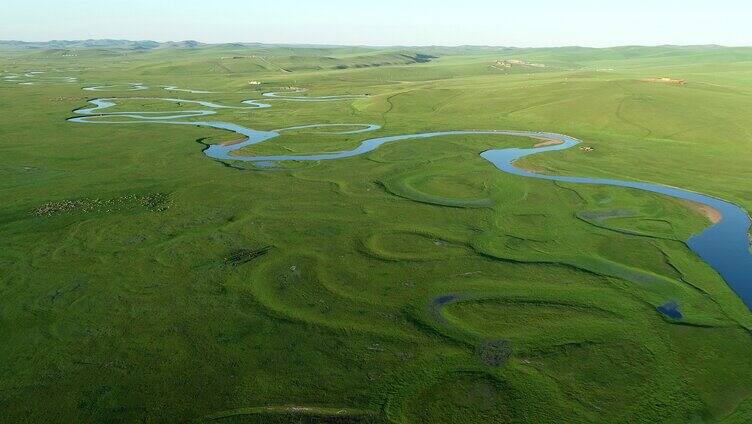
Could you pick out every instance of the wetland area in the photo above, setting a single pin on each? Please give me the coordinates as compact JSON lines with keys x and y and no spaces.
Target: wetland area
{"x":272,"y":234}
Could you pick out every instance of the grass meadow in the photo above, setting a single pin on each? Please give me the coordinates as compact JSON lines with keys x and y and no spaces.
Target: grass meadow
{"x":142,"y":281}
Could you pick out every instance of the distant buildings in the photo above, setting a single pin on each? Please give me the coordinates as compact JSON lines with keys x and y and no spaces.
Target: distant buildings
{"x":666,"y":80}
{"x":504,"y":64}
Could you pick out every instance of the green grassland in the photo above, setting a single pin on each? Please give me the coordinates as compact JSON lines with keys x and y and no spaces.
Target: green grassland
{"x":142,"y":281}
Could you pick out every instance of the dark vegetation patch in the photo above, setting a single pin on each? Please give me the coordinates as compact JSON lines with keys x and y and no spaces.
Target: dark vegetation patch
{"x":495,"y":352}
{"x":439,"y":302}
{"x":422,"y":58}
{"x":155,"y":202}
{"x":288,"y":418}
{"x":385,"y":60}
{"x":294,"y":414}
{"x":244,"y":255}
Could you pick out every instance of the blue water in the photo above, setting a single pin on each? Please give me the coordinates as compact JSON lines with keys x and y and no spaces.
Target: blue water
{"x":671,"y":310}
{"x":725,"y":246}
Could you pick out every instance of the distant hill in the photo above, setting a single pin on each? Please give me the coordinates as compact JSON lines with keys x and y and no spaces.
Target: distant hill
{"x":81,"y":44}
{"x":233,"y":58}
{"x":620,"y":51}
{"x":133,"y":44}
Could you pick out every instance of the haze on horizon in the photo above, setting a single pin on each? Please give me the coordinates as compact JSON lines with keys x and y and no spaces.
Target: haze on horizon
{"x":534,"y":23}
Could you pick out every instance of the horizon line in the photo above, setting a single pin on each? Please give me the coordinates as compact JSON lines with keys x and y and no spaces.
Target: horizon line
{"x":372,"y":45}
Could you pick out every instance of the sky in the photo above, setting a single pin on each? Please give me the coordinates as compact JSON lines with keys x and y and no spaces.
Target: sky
{"x":518,"y":23}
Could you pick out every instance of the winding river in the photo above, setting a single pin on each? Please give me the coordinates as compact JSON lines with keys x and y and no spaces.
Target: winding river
{"x":725,"y":245}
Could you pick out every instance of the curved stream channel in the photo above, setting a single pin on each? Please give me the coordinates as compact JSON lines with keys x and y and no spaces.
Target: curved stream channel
{"x":725,"y":245}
